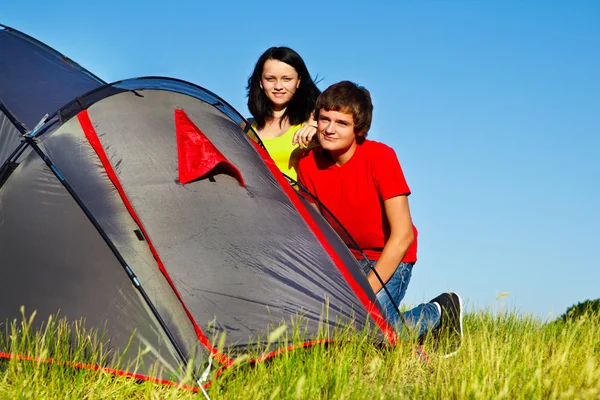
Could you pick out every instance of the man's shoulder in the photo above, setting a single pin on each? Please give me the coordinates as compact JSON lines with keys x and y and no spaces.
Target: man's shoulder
{"x":376,"y":149}
{"x":374,"y":145}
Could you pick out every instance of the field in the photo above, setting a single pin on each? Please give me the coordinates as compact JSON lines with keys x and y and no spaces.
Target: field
{"x":503,"y":356}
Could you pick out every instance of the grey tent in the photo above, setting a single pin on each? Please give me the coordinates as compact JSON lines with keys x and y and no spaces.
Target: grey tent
{"x":145,"y":209}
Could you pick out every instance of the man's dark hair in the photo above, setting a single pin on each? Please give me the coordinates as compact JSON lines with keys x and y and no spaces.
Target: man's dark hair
{"x":350,"y":98}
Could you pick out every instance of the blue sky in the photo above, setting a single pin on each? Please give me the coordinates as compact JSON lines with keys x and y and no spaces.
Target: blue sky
{"x":493,"y":107}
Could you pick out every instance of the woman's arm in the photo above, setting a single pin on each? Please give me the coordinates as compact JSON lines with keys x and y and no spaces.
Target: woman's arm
{"x":304,"y":135}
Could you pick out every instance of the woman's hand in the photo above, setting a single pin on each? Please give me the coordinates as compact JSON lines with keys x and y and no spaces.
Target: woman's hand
{"x":304,"y":135}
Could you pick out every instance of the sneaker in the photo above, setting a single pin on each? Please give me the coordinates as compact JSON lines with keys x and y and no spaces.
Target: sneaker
{"x":448,"y":334}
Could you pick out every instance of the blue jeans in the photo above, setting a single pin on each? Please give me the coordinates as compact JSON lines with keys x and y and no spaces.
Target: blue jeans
{"x":418,"y":320}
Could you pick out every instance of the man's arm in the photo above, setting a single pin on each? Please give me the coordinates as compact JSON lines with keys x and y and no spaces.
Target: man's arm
{"x":397,"y":213}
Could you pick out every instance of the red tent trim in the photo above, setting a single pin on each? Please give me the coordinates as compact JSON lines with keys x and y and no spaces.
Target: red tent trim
{"x":197,"y":155}
{"x":98,"y":368}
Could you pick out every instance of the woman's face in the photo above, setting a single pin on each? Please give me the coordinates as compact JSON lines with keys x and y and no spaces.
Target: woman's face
{"x":279,"y":81}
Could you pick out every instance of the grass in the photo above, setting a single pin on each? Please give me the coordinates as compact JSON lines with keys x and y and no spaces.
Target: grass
{"x":504,"y":355}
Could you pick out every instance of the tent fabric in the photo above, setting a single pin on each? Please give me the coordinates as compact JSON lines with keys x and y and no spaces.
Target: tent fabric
{"x":54,"y":261}
{"x":9,"y":137}
{"x":214,"y":258}
{"x":246,"y":234}
{"x":36,"y":80}
{"x":77,"y":161}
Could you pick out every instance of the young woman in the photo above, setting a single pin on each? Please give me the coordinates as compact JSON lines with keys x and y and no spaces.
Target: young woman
{"x":281,"y":98}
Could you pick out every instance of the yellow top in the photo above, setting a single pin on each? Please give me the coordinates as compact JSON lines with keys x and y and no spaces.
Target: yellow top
{"x":283,"y":152}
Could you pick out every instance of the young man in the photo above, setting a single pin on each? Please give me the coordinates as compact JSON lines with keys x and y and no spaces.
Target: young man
{"x":361,"y":182}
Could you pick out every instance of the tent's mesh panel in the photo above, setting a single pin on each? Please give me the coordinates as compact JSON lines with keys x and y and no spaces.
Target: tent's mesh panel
{"x":53,"y":261}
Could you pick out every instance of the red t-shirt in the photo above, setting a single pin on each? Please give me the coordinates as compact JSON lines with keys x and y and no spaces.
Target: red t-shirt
{"x":355,"y":192}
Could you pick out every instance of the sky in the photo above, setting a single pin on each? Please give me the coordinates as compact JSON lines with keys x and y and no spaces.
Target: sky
{"x":492,"y":106}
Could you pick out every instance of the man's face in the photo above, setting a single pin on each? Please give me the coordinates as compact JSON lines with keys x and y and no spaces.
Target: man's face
{"x":336,"y":133}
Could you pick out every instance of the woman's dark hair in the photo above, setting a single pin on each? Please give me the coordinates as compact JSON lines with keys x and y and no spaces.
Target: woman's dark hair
{"x":302,"y":103}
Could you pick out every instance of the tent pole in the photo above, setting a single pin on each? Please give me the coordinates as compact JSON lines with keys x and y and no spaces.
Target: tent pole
{"x":114,"y":250}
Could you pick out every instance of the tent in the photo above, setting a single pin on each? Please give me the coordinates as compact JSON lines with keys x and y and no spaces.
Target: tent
{"x":35,"y":80}
{"x":143,"y":208}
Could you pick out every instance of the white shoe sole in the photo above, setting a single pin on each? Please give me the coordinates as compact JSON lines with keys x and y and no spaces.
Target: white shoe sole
{"x":460,"y":325}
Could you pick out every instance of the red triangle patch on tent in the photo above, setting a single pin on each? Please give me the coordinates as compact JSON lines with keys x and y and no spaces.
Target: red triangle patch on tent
{"x":197,"y":156}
